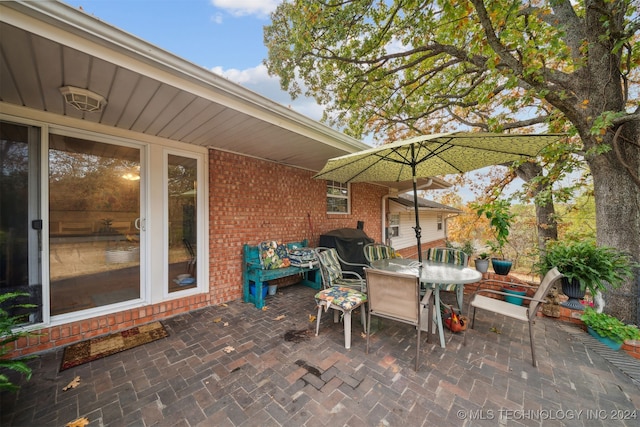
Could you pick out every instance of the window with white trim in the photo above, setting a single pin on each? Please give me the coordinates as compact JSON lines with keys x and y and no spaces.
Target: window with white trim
{"x":439,"y":222}
{"x":338,"y":197}
{"x":394,"y":225}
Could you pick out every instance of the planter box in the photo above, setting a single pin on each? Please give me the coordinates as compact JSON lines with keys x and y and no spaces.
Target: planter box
{"x":604,"y":340}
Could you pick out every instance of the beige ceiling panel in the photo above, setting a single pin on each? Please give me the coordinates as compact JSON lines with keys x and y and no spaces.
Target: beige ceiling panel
{"x":140,"y":99}
{"x":22,"y":66}
{"x":183,"y":122}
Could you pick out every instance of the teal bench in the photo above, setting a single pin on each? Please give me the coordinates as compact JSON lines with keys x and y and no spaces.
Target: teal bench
{"x":254,"y":274}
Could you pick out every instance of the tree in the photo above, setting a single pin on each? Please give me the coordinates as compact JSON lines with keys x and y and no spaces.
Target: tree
{"x":406,"y":66}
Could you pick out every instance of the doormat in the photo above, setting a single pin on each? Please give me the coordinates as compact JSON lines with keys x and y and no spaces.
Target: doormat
{"x":96,"y":348}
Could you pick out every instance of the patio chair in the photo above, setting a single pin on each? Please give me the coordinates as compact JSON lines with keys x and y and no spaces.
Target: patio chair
{"x":394,"y":296}
{"x":333,"y":274}
{"x":377,"y":251}
{"x":447,"y":256}
{"x":339,"y":293}
{"x":523,"y":313}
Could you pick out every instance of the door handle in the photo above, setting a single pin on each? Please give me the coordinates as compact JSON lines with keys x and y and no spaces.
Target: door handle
{"x":139,"y":224}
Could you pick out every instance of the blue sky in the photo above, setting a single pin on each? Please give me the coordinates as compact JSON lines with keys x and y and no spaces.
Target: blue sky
{"x":224,"y":36}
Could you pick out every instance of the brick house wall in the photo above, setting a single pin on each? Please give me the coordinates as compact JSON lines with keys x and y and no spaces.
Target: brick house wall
{"x":252,"y":200}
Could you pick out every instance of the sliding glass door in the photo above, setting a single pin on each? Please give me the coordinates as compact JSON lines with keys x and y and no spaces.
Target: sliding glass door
{"x":94,"y":223}
{"x":20,"y":224}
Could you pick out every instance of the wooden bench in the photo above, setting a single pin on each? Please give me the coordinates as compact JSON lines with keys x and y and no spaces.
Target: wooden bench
{"x":253,"y":273}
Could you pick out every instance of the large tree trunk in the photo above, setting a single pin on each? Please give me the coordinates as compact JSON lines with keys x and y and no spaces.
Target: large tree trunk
{"x":546,"y":224}
{"x":618,"y":214}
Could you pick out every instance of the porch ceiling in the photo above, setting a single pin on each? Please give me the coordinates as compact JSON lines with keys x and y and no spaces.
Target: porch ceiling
{"x":47,"y":45}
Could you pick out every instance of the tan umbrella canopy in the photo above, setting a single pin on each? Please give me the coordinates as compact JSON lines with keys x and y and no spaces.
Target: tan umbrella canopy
{"x":433,"y":155}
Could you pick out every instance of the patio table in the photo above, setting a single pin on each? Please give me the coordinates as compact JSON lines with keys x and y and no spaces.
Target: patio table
{"x":431,"y":272}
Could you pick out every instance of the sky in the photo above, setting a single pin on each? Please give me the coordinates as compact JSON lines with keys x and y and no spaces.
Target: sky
{"x":224,"y":36}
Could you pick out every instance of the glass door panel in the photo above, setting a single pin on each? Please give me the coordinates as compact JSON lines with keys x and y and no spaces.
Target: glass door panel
{"x":94,"y":214}
{"x":182,"y":205}
{"x":20,"y":227}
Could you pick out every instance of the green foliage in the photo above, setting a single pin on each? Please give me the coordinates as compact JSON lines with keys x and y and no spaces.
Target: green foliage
{"x":500,"y":218}
{"x":593,"y":266}
{"x":8,"y":335}
{"x":608,"y":326}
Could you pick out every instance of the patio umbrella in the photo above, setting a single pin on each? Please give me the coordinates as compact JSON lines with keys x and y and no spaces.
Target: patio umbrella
{"x":433,"y":155}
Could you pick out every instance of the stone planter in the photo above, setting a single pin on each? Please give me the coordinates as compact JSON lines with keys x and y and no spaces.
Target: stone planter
{"x":482,"y":265}
{"x":573,"y":291}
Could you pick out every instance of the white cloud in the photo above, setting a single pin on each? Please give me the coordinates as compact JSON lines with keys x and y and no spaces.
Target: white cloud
{"x":247,"y":7}
{"x":258,"y":80}
{"x":217,"y":18}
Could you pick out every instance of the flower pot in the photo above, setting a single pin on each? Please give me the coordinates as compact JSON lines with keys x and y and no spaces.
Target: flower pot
{"x":272,"y":289}
{"x":605,"y":340}
{"x":482,"y":265}
{"x":514,"y":291}
{"x":501,"y":266}
{"x":573,"y":291}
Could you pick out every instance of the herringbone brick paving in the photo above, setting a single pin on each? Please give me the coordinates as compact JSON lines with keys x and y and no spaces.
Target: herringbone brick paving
{"x":274,"y":377}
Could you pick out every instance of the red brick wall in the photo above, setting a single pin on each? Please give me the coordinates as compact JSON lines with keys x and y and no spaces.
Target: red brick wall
{"x":62,"y":335}
{"x":253,"y":200}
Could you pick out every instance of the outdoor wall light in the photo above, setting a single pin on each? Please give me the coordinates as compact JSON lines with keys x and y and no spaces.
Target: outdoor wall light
{"x":83,"y":99}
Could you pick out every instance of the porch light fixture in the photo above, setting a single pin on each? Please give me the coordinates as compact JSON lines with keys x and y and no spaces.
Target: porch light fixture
{"x":83,"y":99}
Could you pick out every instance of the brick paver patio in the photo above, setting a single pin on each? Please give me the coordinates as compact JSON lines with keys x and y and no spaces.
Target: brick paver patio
{"x":275,"y":378}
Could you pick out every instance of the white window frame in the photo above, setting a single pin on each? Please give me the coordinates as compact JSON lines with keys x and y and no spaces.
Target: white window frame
{"x":202,"y":213}
{"x":345,"y":188}
{"x":439,"y":221}
{"x":394,"y":225}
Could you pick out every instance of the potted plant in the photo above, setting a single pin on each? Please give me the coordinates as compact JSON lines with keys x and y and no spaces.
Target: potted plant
{"x":482,"y":262}
{"x":500,"y":217}
{"x":586,"y":266}
{"x":10,"y":332}
{"x":607,"y":329}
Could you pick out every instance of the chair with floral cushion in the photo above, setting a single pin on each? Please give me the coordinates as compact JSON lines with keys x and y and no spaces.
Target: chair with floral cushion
{"x":339,"y":293}
{"x":378,"y":251}
{"x":341,"y":299}
{"x":333,"y":274}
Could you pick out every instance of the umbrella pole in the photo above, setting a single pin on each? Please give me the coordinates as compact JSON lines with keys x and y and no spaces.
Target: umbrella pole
{"x":415,"y":203}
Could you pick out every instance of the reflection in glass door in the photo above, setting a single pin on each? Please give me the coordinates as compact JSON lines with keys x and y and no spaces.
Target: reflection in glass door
{"x":20,"y":226}
{"x":94,"y":223}
{"x":183,"y":238}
